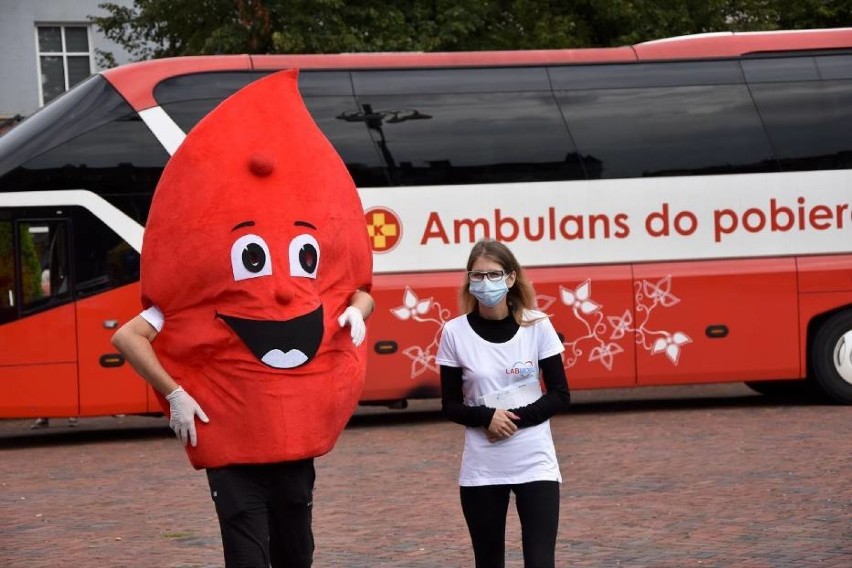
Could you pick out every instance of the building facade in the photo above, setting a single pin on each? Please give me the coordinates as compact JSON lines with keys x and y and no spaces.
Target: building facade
{"x":48,"y":46}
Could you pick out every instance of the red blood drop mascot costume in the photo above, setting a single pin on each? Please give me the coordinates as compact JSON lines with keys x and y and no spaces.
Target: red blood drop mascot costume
{"x":254,"y":245}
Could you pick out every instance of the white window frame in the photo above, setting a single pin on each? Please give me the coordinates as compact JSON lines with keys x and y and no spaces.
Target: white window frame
{"x":64,"y":54}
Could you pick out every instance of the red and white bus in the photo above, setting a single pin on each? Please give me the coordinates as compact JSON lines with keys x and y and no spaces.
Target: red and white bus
{"x":683,"y":207}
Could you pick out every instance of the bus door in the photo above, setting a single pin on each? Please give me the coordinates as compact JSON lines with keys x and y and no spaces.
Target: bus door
{"x":38,"y":358}
{"x":714,"y":321}
{"x":106,"y":289}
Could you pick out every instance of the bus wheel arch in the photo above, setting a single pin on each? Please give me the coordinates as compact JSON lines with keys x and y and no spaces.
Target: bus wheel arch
{"x":830,"y":353}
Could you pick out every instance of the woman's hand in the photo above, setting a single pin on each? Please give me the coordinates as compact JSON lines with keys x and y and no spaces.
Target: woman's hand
{"x":502,"y":425}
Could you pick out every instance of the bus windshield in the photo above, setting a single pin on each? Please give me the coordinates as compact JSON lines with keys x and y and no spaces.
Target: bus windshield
{"x":86,"y":107}
{"x":90,"y":139}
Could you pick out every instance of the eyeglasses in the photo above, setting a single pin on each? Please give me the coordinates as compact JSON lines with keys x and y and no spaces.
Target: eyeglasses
{"x":480,"y":275}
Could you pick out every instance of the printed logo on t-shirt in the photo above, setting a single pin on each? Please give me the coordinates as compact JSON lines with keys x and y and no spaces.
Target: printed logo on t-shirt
{"x":522,"y":369}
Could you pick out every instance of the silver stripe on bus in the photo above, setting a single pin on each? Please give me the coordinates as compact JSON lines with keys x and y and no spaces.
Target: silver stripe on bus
{"x":114,"y":218}
{"x":164,"y":128}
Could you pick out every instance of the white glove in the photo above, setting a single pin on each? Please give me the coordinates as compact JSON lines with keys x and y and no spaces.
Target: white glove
{"x":183,"y":411}
{"x":355,"y":320}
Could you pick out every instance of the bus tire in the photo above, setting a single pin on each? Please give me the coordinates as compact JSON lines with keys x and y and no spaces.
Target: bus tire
{"x":831,"y":357}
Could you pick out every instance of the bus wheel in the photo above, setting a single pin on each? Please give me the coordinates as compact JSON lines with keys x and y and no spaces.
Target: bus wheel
{"x":832,"y":357}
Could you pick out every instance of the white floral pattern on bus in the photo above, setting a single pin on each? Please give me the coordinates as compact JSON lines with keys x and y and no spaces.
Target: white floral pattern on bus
{"x":602,"y":331}
{"x":415,"y":309}
{"x":649,"y":297}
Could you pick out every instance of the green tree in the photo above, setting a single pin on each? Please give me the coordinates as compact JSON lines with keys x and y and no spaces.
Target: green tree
{"x":7,"y":264}
{"x":30,"y":266}
{"x":803,"y":14}
{"x":161,"y":28}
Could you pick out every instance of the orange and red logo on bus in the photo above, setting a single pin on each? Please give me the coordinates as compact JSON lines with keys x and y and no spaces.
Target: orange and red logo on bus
{"x":384,"y":228}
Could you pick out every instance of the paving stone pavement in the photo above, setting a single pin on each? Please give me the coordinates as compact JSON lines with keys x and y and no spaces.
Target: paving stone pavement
{"x":712,"y":476}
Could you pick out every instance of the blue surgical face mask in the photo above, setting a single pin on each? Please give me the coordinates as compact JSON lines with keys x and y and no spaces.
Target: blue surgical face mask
{"x":488,"y":292}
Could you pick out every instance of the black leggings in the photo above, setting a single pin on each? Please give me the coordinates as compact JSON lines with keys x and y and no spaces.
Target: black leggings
{"x":485,"y":510}
{"x":265,"y":513}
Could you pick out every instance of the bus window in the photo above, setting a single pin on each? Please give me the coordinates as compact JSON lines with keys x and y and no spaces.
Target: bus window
{"x":8,"y":278}
{"x":352,"y":141}
{"x":26,"y":255}
{"x":330,"y":100}
{"x":658,"y":131}
{"x":111,"y":153}
{"x":642,"y":75}
{"x":188,"y":98}
{"x":834,"y":66}
{"x":43,"y":249}
{"x":186,"y":114}
{"x":328,"y":96}
{"x":807,"y":121}
{"x":438,"y":81}
{"x":86,"y":106}
{"x":81,"y":140}
{"x":782,"y":69}
{"x":470,"y":126}
{"x":119,"y":157}
{"x":102,"y":260}
{"x":33,"y":266}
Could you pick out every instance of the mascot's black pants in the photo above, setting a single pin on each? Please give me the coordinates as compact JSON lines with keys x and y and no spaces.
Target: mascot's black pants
{"x":265,"y":513}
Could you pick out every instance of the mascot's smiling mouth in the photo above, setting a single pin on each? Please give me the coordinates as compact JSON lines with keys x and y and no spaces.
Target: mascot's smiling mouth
{"x":280,"y":344}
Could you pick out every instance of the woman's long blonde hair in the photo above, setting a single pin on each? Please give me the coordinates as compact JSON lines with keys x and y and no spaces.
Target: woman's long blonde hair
{"x":521,"y":295}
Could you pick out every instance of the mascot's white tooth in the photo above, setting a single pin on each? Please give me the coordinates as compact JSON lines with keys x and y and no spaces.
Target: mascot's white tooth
{"x":280,"y":360}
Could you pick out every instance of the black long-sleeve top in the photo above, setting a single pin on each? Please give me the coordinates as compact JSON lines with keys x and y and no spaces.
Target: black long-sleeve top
{"x":556,"y":399}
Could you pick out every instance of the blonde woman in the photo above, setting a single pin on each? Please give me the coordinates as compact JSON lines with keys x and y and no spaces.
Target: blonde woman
{"x":492,"y":358}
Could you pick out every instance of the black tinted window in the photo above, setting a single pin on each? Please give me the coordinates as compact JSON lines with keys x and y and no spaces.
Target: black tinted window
{"x":780,"y":69}
{"x":35,"y":252}
{"x":624,"y":133}
{"x":186,"y":99}
{"x":349,"y":137}
{"x":434,"y":81}
{"x":325,"y":83}
{"x":8,"y":274}
{"x":186,"y":114}
{"x":218,"y":85}
{"x":470,"y":138}
{"x":119,"y":158}
{"x":95,"y":142}
{"x":809,"y":124}
{"x":835,"y":66}
{"x":45,"y":244}
{"x":212,"y":85}
{"x":631,"y":75}
{"x":87,"y":106}
{"x":327,"y":96}
{"x":102,"y":259}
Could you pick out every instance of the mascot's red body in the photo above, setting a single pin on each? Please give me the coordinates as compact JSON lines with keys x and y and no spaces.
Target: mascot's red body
{"x":254,"y":245}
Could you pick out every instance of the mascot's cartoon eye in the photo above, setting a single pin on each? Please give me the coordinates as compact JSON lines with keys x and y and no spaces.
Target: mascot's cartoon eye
{"x":304,"y":256}
{"x":250,"y":258}
{"x":254,"y":258}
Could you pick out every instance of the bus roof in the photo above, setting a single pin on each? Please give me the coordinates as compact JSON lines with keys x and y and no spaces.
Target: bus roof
{"x":135,"y":80}
{"x":734,"y":44}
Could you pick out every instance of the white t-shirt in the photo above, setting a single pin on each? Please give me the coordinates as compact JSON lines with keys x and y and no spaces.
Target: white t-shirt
{"x":155,"y":317}
{"x":527,"y":455}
